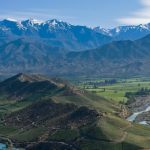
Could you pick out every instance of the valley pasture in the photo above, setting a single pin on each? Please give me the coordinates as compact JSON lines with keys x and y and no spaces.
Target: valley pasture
{"x":114,"y":90}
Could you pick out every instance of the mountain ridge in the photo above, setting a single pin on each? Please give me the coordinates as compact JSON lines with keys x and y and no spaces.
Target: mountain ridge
{"x":121,"y":57}
{"x":36,"y":55}
{"x":130,"y":32}
{"x":57,"y":33}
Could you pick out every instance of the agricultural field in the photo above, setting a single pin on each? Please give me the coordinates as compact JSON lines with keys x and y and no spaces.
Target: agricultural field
{"x":113,"y":89}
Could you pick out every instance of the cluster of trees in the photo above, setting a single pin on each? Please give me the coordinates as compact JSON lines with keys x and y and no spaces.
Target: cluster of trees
{"x":112,"y":81}
{"x":100,"y":83}
{"x":141,"y":92}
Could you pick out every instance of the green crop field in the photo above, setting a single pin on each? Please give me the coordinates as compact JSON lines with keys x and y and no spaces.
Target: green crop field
{"x":115,"y":91}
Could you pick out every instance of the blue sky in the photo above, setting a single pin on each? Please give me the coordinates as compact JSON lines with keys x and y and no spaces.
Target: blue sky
{"x":104,"y":13}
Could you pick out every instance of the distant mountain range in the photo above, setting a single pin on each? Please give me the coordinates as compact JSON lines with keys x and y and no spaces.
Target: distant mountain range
{"x":64,"y":35}
{"x":119,"y":58}
{"x":31,"y":46}
{"x":56,"y":33}
{"x":125,"y":32}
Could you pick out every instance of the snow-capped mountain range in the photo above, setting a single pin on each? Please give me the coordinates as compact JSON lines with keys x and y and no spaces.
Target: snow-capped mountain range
{"x":59,"y":48}
{"x":31,"y":24}
{"x":61,"y":34}
{"x":131,"y":32}
{"x":54,"y":32}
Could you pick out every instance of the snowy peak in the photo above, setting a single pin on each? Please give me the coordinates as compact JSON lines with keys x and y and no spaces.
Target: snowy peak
{"x":31,"y":24}
{"x":131,"y":32}
{"x":60,"y":31}
{"x":10,"y":20}
{"x":102,"y":30}
{"x":11,"y":25}
{"x":56,"y":24}
{"x":57,"y":33}
{"x":35,"y":24}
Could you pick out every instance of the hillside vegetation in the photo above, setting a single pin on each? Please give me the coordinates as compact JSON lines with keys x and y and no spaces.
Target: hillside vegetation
{"x":59,"y":115}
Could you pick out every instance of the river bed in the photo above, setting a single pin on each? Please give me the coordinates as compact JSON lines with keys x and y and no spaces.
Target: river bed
{"x":134,"y":115}
{"x":4,"y":147}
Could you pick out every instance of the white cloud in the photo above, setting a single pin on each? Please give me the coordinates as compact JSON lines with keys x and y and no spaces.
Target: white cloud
{"x":141,"y":16}
{"x":145,"y":2}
